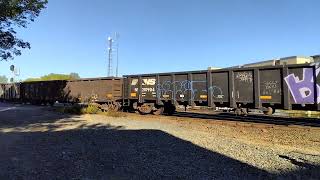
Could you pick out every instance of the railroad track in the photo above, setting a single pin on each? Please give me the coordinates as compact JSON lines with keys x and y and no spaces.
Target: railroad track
{"x":275,"y":120}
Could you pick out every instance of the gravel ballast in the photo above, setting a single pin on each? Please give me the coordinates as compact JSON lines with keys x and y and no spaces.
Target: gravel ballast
{"x":38,"y":144}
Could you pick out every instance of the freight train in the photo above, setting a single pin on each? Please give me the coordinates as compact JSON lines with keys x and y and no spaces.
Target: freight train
{"x":105,"y":91}
{"x":240,"y":89}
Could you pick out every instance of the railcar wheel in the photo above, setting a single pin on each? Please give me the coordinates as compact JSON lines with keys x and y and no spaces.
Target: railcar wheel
{"x":269,"y":111}
{"x":158,"y":111}
{"x":145,"y":109}
{"x":117,"y":106}
{"x":110,"y":106}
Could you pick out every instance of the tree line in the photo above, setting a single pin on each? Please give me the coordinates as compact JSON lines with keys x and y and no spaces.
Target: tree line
{"x":52,"y":76}
{"x":49,"y":77}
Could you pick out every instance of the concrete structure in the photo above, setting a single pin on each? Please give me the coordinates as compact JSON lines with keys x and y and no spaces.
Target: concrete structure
{"x":316,"y":58}
{"x":213,"y":68}
{"x":281,"y":61}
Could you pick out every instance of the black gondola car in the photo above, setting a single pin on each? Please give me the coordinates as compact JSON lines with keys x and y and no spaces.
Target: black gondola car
{"x":266,"y":88}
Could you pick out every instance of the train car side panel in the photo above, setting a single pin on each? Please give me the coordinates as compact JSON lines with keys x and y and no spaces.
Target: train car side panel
{"x":164,"y":88}
{"x":148,"y":88}
{"x":199,"y":93}
{"x":220,"y":87}
{"x":99,"y":90}
{"x":243,"y":86}
{"x":304,"y":88}
{"x":182,"y":88}
{"x":270,"y":86}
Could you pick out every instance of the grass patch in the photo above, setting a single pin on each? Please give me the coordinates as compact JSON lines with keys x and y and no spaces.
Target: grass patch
{"x":89,"y":109}
{"x":78,"y":109}
{"x":114,"y":114}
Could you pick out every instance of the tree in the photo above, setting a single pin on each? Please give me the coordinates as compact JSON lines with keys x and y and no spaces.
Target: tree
{"x":32,"y":79}
{"x":16,"y":14}
{"x":3,"y":79}
{"x":53,"y":76}
{"x":74,"y":76}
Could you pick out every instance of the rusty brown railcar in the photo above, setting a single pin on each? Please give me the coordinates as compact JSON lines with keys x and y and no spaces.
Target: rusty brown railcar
{"x":98,"y":90}
{"x":10,"y":92}
{"x":106,"y":91}
{"x":43,"y":92}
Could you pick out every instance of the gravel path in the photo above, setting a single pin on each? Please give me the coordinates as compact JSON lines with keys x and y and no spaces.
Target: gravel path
{"x":37,"y":144}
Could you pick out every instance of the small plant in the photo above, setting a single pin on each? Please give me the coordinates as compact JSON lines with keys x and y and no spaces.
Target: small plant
{"x":114,"y":114}
{"x":91,"y":109}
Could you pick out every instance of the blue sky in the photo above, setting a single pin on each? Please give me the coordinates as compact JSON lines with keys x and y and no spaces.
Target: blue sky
{"x":167,"y":35}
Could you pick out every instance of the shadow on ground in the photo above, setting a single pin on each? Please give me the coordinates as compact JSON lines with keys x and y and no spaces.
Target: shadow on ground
{"x":106,"y":152}
{"x":23,"y":116}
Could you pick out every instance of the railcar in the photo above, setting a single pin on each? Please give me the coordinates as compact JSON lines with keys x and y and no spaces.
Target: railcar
{"x":240,"y":89}
{"x":43,"y":92}
{"x":107,"y":91}
{"x":266,"y":88}
{"x":10,"y":92}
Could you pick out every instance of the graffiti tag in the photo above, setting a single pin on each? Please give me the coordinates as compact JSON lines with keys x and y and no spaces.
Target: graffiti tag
{"x":244,"y":76}
{"x":303,"y":91}
{"x":271,"y":87}
{"x":184,"y":87}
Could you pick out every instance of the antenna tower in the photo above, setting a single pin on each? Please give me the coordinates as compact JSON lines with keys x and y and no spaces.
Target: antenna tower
{"x":110,"y":41}
{"x":113,"y":46}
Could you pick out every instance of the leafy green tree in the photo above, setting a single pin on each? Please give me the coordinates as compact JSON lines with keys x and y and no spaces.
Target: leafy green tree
{"x":3,"y":79}
{"x":32,"y":79}
{"x":74,"y":76}
{"x":53,"y":76}
{"x":16,"y":14}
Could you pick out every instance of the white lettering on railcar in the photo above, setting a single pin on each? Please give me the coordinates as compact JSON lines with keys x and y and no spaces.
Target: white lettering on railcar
{"x":149,"y":82}
{"x":134,"y":82}
{"x":148,"y":89}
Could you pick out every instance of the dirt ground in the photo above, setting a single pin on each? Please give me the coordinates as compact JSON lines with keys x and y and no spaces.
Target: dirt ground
{"x":40,"y":144}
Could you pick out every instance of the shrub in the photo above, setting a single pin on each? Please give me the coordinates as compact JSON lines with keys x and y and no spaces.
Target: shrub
{"x":91,"y":109}
{"x":114,"y":114}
